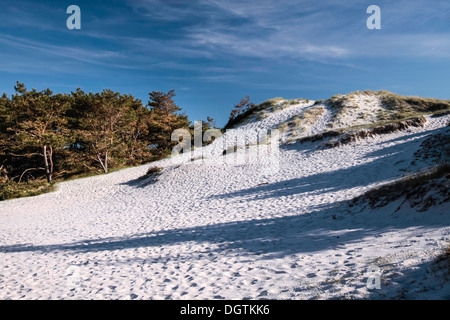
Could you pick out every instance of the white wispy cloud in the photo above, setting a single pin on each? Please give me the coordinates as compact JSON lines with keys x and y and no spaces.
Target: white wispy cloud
{"x":299,"y":29}
{"x":69,"y":51}
{"x":204,"y":36}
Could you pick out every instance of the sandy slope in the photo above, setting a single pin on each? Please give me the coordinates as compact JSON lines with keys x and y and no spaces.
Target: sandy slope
{"x":219,"y":229}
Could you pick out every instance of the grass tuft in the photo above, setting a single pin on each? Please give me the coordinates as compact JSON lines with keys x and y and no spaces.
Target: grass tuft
{"x":151,"y":173}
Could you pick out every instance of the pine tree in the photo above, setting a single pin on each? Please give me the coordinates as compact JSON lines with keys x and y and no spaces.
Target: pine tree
{"x":109,"y":128}
{"x":61,"y":135}
{"x":164,"y":120}
{"x":39,"y":129}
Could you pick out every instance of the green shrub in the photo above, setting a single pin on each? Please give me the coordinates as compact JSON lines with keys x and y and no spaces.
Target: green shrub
{"x":12,"y":189}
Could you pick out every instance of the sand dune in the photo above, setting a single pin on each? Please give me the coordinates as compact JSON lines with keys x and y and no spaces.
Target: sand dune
{"x":212,"y":229}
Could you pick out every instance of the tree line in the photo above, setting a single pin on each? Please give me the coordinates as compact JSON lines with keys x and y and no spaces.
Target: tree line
{"x":51,"y":136}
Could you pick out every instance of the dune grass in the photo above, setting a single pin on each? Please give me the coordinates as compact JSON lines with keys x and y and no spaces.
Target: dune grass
{"x":299,"y":122}
{"x":394,"y":106}
{"x":410,"y":186}
{"x":262,"y":110}
{"x":151,"y":172}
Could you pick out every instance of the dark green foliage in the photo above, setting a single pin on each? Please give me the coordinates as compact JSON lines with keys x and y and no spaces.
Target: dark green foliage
{"x":32,"y":130}
{"x":211,"y":123}
{"x":46,"y":136}
{"x":109,"y":130}
{"x":163,"y":121}
{"x":12,"y":189}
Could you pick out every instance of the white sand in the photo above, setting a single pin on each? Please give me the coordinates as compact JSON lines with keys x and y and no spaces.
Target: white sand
{"x":360,"y":110}
{"x":212,"y":230}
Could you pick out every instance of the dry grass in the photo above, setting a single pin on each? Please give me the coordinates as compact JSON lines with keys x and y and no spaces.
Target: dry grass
{"x":413,"y":187}
{"x":400,"y":107}
{"x":341,"y":105}
{"x":435,"y":148}
{"x":353,"y":135}
{"x":406,"y":104}
{"x":283,"y":127}
{"x":151,"y":173}
{"x":395,"y":107}
{"x":444,"y":258}
{"x":298,"y":123}
{"x":344,"y":136}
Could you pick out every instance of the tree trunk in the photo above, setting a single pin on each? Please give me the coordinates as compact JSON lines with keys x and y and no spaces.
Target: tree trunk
{"x":106,"y":162}
{"x":50,"y":158}
{"x":103,"y":164}
{"x":48,"y":173}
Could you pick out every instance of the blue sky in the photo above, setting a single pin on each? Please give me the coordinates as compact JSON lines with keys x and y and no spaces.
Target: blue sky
{"x":213,"y":53}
